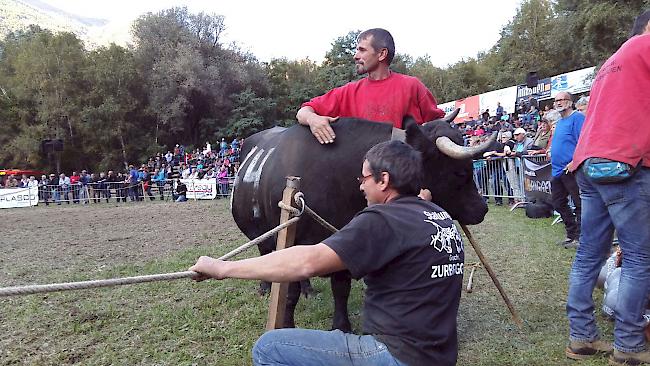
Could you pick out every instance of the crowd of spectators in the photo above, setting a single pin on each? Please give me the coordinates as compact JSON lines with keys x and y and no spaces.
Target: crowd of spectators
{"x":527,"y":132}
{"x":138,"y":181}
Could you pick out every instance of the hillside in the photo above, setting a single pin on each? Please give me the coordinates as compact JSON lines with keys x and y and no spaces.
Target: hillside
{"x":19,"y":14}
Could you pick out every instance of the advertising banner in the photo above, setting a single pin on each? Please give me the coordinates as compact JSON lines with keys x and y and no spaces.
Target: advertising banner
{"x":574,"y":82}
{"x":540,"y":92}
{"x":468,"y":109}
{"x":507,"y":97}
{"x":18,"y":197}
{"x":201,"y":189}
{"x":537,"y":180}
{"x":448,"y":107}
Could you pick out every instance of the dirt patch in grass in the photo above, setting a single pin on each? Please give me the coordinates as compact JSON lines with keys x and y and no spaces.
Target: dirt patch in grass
{"x":86,"y":238}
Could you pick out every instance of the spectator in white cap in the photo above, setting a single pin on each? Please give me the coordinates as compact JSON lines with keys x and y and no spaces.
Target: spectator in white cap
{"x":522,"y":142}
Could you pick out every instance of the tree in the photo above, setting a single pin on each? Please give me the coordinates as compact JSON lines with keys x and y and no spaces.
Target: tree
{"x":41,"y":75}
{"x":249,"y":115}
{"x":339,"y":68}
{"x":114,"y":108}
{"x":291,"y":83}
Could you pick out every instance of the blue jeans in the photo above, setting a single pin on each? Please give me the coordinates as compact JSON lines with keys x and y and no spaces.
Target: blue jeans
{"x":625,"y":207}
{"x":306,"y":347}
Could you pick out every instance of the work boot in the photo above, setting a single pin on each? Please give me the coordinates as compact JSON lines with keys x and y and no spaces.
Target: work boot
{"x":630,"y":358}
{"x":564,"y":242}
{"x":583,"y":350}
{"x":573,"y":244}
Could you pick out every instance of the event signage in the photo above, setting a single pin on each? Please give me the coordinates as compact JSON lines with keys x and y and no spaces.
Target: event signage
{"x":201,"y":189}
{"x":506,"y":97}
{"x":537,"y":180}
{"x":468,"y":109}
{"x":448,"y":107}
{"x":574,"y":82}
{"x":540,"y":92}
{"x":18,"y":197}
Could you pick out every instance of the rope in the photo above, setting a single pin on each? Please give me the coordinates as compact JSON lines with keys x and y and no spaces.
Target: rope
{"x":300,"y":198}
{"x":66,"y":286}
{"x":33,"y":289}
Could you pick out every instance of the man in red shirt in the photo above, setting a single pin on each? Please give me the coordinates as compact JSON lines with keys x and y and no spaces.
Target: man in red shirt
{"x":616,"y":134}
{"x":74,"y":185}
{"x":384,"y":96}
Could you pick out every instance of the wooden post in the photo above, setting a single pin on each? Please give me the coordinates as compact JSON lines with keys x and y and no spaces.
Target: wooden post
{"x":493,"y":276}
{"x":286,"y":237}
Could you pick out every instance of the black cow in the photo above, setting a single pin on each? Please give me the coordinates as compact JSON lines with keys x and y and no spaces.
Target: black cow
{"x":328,"y":180}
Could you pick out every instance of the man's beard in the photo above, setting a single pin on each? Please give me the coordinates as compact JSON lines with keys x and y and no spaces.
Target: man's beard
{"x":360,"y":68}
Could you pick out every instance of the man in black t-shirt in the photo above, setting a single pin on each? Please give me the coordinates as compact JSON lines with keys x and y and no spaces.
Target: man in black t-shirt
{"x":409,"y":254}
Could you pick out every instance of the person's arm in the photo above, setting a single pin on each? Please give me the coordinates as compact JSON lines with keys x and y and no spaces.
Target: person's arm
{"x":319,"y":125}
{"x":288,"y":265}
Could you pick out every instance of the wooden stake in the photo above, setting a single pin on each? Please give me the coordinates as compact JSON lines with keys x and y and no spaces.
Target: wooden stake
{"x":286,"y":237}
{"x":493,"y":276}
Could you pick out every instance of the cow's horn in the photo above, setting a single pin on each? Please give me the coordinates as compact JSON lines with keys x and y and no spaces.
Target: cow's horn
{"x":451,"y":116}
{"x":449,"y":148}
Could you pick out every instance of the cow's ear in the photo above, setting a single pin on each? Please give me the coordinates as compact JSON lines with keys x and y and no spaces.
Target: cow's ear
{"x":416,"y":137}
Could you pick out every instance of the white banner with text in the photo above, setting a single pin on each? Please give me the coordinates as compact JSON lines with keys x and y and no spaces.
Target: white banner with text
{"x":18,"y":197}
{"x":201,"y":189}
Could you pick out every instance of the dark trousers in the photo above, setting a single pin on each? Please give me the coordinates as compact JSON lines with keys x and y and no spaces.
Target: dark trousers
{"x":561,"y":188}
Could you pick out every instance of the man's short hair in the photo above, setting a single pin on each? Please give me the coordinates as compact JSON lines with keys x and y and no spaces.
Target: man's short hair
{"x":640,"y":23}
{"x":584,"y":100}
{"x":381,"y":38}
{"x":552,"y":116}
{"x":401,"y":162}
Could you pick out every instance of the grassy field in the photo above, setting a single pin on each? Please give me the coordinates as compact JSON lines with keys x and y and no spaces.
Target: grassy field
{"x":216,"y":323}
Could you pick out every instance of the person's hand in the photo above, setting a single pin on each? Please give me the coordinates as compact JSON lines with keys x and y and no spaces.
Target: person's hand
{"x":569,"y":167}
{"x":425,"y":194}
{"x":206,"y":268}
{"x":321,"y":129}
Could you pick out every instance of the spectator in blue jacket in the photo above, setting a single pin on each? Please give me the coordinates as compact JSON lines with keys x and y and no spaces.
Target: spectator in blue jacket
{"x":563,"y":182}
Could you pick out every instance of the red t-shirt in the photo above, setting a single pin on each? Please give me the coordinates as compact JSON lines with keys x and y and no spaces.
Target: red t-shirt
{"x":74,"y":179}
{"x":617,"y":125}
{"x":387,"y":100}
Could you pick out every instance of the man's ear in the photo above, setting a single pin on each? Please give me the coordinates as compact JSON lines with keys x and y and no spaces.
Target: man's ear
{"x":383,"y":54}
{"x":384,"y":181}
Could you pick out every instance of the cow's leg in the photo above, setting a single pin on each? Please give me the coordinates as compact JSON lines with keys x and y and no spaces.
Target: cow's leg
{"x":293,"y":295}
{"x":341,"y":283}
{"x":306,"y":289}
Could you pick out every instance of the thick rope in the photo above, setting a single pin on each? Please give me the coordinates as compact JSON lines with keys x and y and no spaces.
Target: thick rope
{"x":33,"y":289}
{"x":300,"y":197}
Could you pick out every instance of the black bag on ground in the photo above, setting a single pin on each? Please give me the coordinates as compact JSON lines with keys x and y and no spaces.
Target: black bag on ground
{"x":538,"y":210}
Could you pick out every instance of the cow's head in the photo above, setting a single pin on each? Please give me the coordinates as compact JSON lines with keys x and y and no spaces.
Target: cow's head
{"x":447,"y":168}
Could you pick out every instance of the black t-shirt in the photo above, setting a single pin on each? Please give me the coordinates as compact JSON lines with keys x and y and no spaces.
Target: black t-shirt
{"x":411,"y":256}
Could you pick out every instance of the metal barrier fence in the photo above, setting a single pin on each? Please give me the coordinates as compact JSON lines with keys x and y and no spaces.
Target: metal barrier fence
{"x":502,"y":178}
{"x":115,"y":192}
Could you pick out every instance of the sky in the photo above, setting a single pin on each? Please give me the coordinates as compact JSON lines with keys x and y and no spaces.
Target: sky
{"x":446,"y":31}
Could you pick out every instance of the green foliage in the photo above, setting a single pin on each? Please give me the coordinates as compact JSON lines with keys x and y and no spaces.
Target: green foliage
{"x":249,"y":114}
{"x":338,"y":67}
{"x":291,"y":83}
{"x":180,"y":84}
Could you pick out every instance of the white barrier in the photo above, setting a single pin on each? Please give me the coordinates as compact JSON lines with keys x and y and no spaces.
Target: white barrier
{"x":18,"y":197}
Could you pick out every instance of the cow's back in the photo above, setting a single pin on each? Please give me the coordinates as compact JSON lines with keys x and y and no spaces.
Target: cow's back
{"x":328,"y":176}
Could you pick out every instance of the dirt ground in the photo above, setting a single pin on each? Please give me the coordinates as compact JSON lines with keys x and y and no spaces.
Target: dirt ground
{"x":37,"y":240}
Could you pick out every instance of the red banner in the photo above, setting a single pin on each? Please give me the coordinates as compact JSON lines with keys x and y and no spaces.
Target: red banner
{"x":469,"y":109}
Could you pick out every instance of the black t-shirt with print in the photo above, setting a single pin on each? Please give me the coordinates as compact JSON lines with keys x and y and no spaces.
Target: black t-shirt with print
{"x":411,"y":256}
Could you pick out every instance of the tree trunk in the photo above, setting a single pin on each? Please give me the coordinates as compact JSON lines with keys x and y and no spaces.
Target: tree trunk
{"x":121,"y":136}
